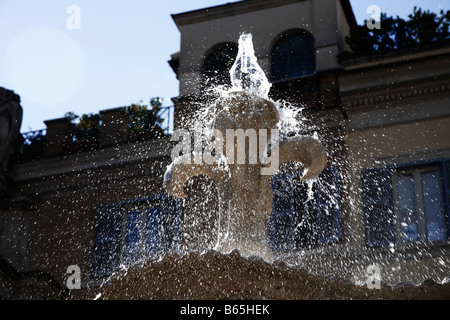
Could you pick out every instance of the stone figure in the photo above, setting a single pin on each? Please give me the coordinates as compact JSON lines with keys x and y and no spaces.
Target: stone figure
{"x":10,"y":122}
{"x":244,"y":190}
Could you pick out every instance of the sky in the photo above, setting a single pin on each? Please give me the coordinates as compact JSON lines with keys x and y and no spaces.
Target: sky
{"x":85,"y":56}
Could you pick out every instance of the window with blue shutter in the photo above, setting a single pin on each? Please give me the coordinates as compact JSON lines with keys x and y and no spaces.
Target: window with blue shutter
{"x":433,"y":205}
{"x":303,"y":217}
{"x":378,"y":207}
{"x":132,"y":247}
{"x":107,"y":241}
{"x":170,"y":208}
{"x":405,"y":203}
{"x":132,"y":230}
{"x":153,"y":229}
{"x":282,"y":221}
{"x":407,"y":209}
{"x":306,"y":213}
{"x":327,"y":206}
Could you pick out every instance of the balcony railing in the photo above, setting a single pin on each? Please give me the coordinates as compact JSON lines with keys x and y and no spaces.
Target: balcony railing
{"x":60,"y":137}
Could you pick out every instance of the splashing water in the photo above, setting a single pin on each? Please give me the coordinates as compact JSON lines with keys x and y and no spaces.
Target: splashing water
{"x":246,"y":74}
{"x":292,"y":120}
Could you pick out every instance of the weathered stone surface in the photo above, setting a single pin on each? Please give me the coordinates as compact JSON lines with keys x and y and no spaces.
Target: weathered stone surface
{"x":216,"y":276}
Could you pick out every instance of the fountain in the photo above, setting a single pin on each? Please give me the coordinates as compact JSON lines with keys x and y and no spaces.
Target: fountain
{"x":242,"y":172}
{"x":245,"y":200}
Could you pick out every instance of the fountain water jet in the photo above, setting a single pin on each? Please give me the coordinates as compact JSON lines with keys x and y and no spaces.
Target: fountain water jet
{"x":245,"y":192}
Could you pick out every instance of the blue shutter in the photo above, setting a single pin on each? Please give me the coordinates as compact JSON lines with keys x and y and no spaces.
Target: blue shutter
{"x":327,"y":204}
{"x":170,"y":223}
{"x":132,"y":250}
{"x":153,"y":228}
{"x":281,"y":223}
{"x":107,"y":240}
{"x":378,"y":207}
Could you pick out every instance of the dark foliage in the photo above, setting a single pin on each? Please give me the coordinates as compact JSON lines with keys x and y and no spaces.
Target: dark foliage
{"x":420,"y":29}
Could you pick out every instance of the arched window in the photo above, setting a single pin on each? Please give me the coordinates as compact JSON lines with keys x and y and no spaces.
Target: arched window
{"x":217,"y":64}
{"x":293,"y":56}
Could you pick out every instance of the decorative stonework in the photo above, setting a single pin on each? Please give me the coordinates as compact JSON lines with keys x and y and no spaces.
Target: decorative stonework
{"x":363,"y":99}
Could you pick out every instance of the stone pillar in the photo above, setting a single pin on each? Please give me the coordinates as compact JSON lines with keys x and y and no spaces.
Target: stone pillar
{"x":10,"y":122}
{"x":59,"y":137}
{"x":13,"y":226}
{"x":114,"y":129}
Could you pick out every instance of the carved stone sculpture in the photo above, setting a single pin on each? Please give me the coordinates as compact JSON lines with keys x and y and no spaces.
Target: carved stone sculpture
{"x":245,"y":192}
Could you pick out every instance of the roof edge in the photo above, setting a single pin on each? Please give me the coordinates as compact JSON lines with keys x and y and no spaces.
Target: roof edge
{"x":228,"y":9}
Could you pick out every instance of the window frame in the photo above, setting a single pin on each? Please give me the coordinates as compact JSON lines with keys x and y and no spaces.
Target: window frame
{"x":416,"y":171}
{"x":309,"y":53}
{"x":331,"y":205}
{"x":110,"y":231}
{"x":389,"y":170}
{"x":142,"y":208}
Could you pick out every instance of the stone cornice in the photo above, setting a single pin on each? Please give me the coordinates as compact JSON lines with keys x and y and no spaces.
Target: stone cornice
{"x":225,"y":10}
{"x":63,"y":183}
{"x":395,"y":94}
{"x":394,"y":57}
{"x":240,"y":7}
{"x":97,"y":159}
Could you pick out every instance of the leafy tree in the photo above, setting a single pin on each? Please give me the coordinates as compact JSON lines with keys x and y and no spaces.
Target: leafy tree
{"x":32,"y":146}
{"x":145,"y":118}
{"x":421,"y":28}
{"x":88,"y":126}
{"x":144,"y":121}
